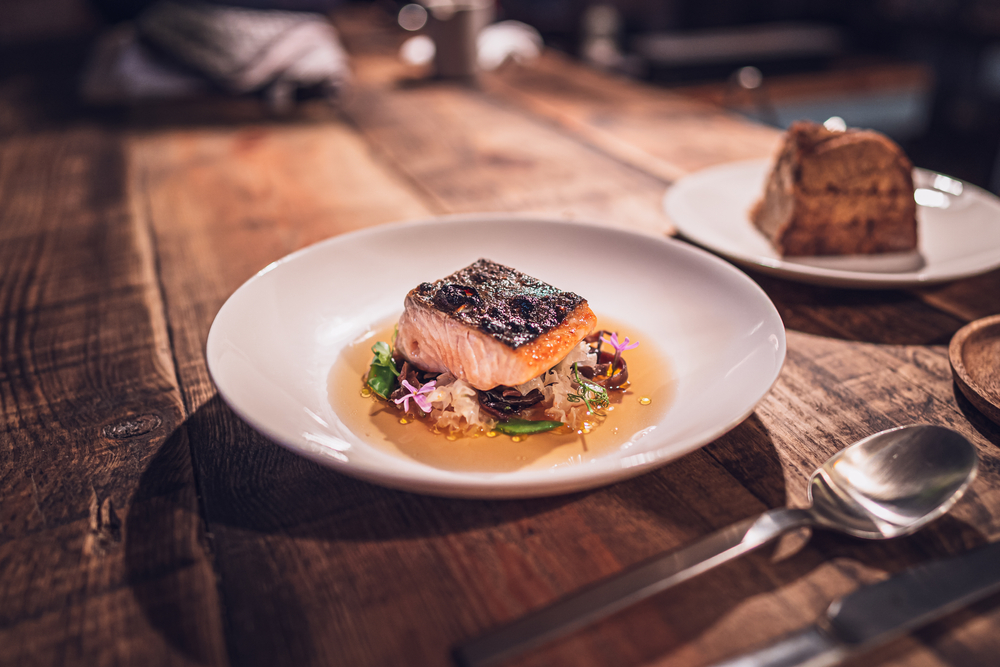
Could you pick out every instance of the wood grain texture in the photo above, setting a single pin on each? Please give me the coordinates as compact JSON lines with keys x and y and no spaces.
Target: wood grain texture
{"x":969,"y":299}
{"x":98,"y":569}
{"x":142,"y":522}
{"x":474,"y":152}
{"x":215,"y":227}
{"x":657,"y":131}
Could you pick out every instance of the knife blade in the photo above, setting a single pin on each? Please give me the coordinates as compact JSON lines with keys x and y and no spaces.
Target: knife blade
{"x":876,"y":614}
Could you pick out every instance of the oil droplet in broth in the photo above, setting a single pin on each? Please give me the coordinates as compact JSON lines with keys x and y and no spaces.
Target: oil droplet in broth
{"x":366,"y":391}
{"x":644,"y":400}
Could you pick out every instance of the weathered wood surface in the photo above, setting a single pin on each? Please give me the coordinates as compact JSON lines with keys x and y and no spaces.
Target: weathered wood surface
{"x":102,"y":562}
{"x":199,"y":541}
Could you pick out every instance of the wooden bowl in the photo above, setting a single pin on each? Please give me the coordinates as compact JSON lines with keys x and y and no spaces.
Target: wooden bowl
{"x":975,"y":362}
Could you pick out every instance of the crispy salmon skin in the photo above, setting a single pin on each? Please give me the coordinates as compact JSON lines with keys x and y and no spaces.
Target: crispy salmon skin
{"x":491,"y":325}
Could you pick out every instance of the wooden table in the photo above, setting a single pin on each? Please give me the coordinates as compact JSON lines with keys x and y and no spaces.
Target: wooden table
{"x":143,"y":523}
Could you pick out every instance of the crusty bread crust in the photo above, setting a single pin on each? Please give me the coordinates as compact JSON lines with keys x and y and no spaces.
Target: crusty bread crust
{"x":838,"y":193}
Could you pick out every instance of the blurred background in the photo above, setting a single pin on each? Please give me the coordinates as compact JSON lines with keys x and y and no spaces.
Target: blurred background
{"x":925,"y":72}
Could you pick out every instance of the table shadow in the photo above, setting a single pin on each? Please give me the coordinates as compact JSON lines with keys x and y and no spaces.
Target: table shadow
{"x":253,"y":495}
{"x":890,"y":317}
{"x":250,"y":489}
{"x":685,"y":496}
{"x":983,"y":425}
{"x":885,"y":316}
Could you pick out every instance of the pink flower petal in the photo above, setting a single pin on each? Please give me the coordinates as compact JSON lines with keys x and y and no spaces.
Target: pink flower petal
{"x":620,"y":346}
{"x":417,"y":395}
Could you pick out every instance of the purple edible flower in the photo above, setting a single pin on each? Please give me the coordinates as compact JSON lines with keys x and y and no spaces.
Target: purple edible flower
{"x":619,"y":348}
{"x":417,"y":395}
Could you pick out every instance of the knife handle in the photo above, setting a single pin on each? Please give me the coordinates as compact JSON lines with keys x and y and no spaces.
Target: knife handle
{"x":626,"y":588}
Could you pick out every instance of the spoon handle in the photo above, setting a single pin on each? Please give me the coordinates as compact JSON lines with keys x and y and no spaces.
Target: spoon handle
{"x":626,"y":588}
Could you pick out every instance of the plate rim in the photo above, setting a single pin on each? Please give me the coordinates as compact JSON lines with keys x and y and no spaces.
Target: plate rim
{"x":776,"y":266}
{"x":491,"y":485}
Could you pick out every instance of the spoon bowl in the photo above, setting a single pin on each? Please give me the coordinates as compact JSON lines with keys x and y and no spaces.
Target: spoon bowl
{"x":892,"y":483}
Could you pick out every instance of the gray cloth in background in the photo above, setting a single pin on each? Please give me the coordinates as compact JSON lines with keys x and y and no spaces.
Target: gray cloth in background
{"x":240,"y":50}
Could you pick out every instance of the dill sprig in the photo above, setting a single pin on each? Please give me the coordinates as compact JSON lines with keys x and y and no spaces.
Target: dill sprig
{"x":591,"y":393}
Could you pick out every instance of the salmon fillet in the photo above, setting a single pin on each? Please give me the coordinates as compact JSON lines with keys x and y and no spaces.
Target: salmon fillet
{"x":491,"y":325}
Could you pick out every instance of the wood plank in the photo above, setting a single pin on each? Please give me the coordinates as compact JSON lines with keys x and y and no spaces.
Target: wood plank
{"x":474,"y":152}
{"x":101,"y":543}
{"x":880,"y":316}
{"x":473,"y":155}
{"x":216,"y":226}
{"x":652,"y":128}
{"x":969,"y":299}
{"x":849,"y":79}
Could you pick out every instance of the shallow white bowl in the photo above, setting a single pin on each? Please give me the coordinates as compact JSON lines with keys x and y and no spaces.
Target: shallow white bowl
{"x":273,"y":343}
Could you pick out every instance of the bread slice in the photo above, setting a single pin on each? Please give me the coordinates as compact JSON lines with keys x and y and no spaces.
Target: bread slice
{"x":838,"y":193}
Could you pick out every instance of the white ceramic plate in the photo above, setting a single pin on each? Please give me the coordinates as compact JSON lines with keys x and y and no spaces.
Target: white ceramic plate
{"x":273,"y":343}
{"x":959,"y":235}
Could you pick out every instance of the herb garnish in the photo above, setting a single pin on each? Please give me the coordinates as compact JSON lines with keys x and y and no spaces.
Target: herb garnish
{"x":382,"y":374}
{"x":591,"y":393}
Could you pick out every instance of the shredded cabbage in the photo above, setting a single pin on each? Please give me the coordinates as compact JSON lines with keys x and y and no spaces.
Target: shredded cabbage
{"x":455,"y":403}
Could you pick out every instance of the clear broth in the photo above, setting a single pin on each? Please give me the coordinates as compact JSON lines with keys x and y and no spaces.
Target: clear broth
{"x":628,"y":416}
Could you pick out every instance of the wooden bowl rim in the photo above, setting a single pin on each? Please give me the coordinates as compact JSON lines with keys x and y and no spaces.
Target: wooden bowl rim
{"x":984,"y":401}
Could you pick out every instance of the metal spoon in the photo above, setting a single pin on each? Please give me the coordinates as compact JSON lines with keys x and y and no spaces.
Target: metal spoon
{"x":887,"y":485}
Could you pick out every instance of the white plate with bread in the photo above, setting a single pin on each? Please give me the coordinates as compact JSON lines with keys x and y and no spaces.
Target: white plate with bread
{"x":957,"y":224}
